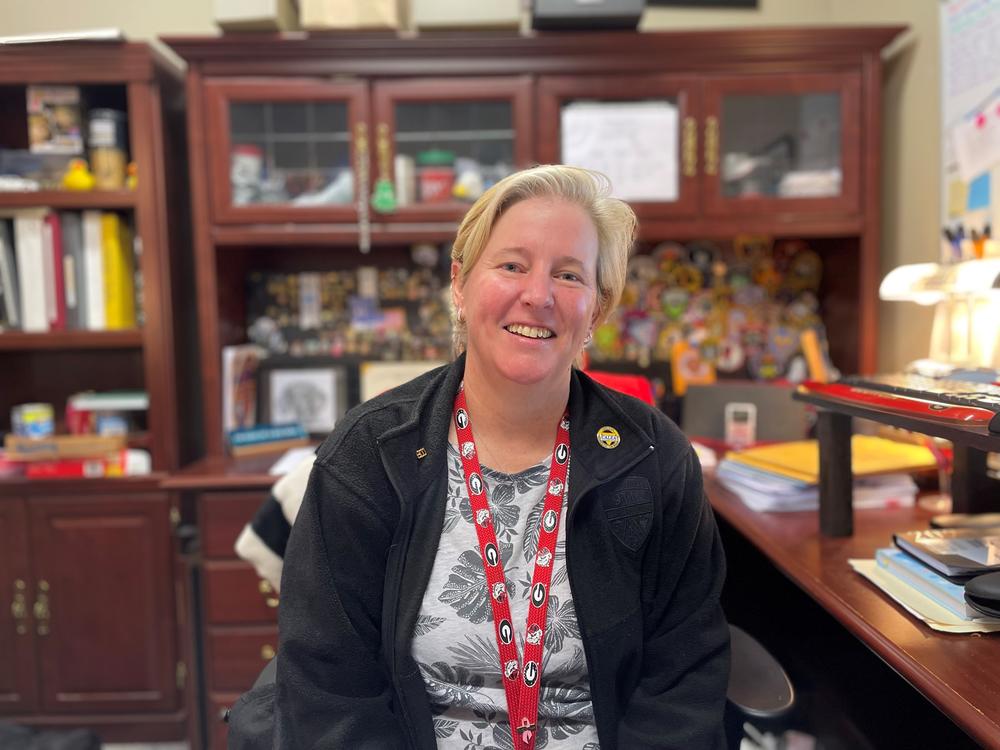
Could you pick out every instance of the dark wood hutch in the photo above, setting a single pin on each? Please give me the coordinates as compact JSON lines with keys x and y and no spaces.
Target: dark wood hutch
{"x":357,"y":97}
{"x":94,"y":620}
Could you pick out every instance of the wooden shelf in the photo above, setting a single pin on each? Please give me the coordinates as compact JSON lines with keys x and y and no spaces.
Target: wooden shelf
{"x":12,"y":341}
{"x":68,"y":199}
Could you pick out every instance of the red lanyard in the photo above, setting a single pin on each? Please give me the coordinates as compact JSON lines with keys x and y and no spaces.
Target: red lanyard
{"x":520,"y":684}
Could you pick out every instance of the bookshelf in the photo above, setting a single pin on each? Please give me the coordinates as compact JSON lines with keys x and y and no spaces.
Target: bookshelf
{"x":49,"y":366}
{"x":87,"y":660}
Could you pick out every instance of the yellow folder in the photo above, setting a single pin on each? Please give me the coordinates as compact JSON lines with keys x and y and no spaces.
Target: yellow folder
{"x":869,"y":455}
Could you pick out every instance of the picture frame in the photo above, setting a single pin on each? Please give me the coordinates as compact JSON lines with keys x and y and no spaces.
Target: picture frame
{"x":749,"y":4}
{"x":311,"y":393}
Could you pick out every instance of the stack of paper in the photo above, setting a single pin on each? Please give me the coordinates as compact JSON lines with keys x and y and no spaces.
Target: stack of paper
{"x":766,"y":491}
{"x":785,"y":476}
{"x":935,"y":601}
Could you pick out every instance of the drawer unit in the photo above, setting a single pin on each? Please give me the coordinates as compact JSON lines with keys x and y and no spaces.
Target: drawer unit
{"x":235,"y":594}
{"x":239,"y":610}
{"x":238,"y":655}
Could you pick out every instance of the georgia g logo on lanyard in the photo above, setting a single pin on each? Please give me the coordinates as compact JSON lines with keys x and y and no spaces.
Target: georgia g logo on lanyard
{"x":521,"y":686}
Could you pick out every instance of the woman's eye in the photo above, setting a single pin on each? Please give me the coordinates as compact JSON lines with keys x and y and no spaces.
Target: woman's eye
{"x":569,"y":276}
{"x":508,"y":266}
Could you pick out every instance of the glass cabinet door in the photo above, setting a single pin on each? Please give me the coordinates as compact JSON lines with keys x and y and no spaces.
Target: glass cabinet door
{"x":439,"y":143}
{"x":782,"y":143}
{"x":285,"y":151}
{"x":638,"y":130}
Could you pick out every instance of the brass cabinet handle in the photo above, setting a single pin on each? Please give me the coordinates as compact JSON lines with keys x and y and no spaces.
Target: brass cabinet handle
{"x":689,"y":147}
{"x":267,"y":652}
{"x":711,"y":145}
{"x":19,"y":607}
{"x":267,"y":589}
{"x":383,"y":148}
{"x":362,"y":186}
{"x":43,"y":614}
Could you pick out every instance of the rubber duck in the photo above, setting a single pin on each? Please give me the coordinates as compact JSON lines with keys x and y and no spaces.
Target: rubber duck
{"x":78,"y":176}
{"x":132,"y":176}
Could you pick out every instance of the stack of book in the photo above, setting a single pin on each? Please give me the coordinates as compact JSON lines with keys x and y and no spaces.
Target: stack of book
{"x":67,"y":270}
{"x":785,"y":476}
{"x":927,"y":572}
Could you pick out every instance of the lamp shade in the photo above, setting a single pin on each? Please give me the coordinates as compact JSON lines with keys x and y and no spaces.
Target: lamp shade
{"x":930,"y":283}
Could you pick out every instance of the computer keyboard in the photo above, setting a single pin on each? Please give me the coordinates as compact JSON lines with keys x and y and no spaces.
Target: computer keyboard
{"x":933,"y":398}
{"x":940,"y":390}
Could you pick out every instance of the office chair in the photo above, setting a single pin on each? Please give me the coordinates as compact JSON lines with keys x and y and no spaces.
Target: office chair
{"x":759,"y":691}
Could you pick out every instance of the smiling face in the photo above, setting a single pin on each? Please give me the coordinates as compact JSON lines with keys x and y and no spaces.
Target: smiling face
{"x":530,"y":299}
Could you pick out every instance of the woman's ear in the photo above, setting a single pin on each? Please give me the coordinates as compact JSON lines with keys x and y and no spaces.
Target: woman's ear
{"x":456,"y":284}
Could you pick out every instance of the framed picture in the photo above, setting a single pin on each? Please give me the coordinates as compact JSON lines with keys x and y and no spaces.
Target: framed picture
{"x":705,"y":3}
{"x":314,"y":396}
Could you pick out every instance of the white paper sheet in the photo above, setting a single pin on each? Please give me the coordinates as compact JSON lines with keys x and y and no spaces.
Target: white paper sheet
{"x":633,"y":143}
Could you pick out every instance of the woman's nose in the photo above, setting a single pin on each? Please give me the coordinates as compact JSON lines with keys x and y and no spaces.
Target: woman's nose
{"x":537,"y":290}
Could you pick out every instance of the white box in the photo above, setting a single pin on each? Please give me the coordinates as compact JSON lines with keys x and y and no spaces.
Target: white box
{"x":448,"y":14}
{"x":256,"y":15}
{"x":345,"y":15}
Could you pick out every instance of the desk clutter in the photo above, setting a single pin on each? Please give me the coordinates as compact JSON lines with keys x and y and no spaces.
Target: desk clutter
{"x":947,"y":578}
{"x":97,"y":441}
{"x":785,"y":476}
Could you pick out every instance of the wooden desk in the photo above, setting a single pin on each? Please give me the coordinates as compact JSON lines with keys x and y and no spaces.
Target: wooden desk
{"x":957,"y":673}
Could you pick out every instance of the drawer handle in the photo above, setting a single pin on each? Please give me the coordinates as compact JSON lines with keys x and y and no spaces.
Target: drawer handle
{"x":266,"y":589}
{"x":267,"y":652}
{"x":19,"y":607}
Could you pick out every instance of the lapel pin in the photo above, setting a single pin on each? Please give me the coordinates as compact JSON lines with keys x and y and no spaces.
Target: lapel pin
{"x":608,"y":437}
{"x":421,"y":453}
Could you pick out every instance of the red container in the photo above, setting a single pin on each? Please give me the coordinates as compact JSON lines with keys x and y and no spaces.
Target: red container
{"x":436,"y":183}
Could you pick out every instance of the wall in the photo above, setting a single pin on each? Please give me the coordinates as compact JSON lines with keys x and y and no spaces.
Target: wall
{"x":911,"y":110}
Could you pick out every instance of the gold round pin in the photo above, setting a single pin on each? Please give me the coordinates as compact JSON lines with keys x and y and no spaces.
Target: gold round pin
{"x":608,"y":437}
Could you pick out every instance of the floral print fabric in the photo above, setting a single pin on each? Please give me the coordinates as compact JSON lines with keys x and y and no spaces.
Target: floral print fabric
{"x":454,"y":641}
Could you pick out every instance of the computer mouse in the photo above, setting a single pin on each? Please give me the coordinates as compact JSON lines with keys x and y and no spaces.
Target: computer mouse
{"x":982,"y":593}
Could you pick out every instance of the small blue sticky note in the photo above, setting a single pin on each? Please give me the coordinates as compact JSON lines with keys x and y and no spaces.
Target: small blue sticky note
{"x":979,"y":192}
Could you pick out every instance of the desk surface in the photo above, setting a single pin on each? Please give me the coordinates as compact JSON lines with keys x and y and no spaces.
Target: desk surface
{"x":224,"y":473}
{"x":958,"y":673}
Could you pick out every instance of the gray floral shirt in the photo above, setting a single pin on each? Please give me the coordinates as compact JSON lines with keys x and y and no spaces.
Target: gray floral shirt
{"x":454,"y":641}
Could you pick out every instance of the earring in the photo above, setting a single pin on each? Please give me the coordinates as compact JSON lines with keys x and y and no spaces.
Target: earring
{"x":590,"y":337}
{"x":461,"y":315}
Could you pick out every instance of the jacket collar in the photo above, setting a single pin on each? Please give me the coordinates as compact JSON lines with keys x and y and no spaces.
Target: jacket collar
{"x":417,"y":447}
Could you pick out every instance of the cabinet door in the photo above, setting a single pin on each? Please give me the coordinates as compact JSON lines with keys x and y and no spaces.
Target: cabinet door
{"x":104,"y":614}
{"x":641,"y":131}
{"x":284,"y":150}
{"x":440,"y":142}
{"x":18,"y":690}
{"x":788,"y":144}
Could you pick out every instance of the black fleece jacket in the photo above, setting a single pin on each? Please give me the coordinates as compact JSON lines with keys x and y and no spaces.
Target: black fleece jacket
{"x":643,"y":555}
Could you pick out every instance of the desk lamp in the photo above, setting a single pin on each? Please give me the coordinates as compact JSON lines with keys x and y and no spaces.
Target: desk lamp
{"x":966,"y":328}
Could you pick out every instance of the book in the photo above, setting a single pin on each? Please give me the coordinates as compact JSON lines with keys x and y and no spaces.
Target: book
{"x":239,"y":385}
{"x":949,"y":595}
{"x":119,"y":268}
{"x":869,"y":455}
{"x":93,"y":271}
{"x":55,"y":288}
{"x":20,"y":448}
{"x":956,"y":553}
{"x":121,"y":463}
{"x":74,"y":289}
{"x":110,"y":401}
{"x":8,"y":276}
{"x":266,"y":439}
{"x":30,"y":253}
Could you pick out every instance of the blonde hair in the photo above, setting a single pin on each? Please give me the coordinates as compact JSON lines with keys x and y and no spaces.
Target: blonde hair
{"x":613,"y":218}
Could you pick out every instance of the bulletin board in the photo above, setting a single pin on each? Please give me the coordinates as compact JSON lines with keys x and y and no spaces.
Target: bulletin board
{"x":970,"y":105}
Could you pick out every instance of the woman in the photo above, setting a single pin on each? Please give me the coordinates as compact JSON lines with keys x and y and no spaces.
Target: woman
{"x":462,"y":572}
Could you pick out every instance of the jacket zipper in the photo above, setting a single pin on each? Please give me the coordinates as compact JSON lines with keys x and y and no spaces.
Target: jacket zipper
{"x":569,"y":571}
{"x":397,"y":576}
